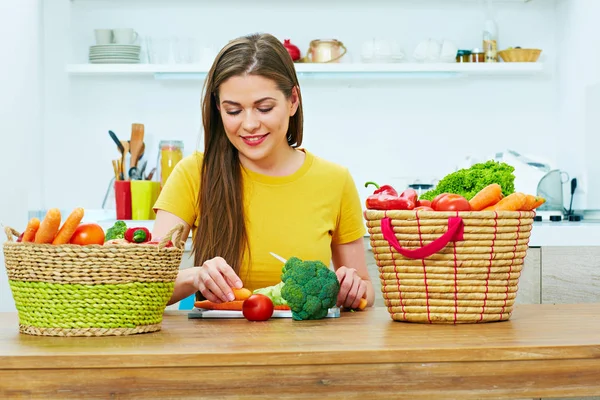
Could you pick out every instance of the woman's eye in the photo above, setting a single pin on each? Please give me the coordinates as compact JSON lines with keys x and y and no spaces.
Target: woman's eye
{"x":265,"y":110}
{"x":233,"y":112}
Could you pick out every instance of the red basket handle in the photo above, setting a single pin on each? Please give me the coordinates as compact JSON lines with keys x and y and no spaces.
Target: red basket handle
{"x":454,"y":233}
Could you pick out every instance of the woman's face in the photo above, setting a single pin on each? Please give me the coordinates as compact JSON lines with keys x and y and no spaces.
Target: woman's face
{"x":256,"y":116}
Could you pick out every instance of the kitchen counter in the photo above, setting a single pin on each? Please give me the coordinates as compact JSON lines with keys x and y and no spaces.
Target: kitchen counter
{"x":543,"y":351}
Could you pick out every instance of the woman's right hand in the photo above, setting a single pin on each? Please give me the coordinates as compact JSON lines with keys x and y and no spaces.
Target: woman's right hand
{"x":215,"y":278}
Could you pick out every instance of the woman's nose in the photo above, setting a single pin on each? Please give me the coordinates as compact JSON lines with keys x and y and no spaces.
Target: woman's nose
{"x":251,"y":122}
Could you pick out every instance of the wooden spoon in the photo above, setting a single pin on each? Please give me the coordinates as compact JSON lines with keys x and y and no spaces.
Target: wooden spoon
{"x":136,"y":143}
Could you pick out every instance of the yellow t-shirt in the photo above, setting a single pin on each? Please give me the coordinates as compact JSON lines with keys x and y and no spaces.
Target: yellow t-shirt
{"x":300,"y":215}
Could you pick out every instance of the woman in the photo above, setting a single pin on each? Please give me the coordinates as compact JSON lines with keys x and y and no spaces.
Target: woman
{"x":253,"y":191}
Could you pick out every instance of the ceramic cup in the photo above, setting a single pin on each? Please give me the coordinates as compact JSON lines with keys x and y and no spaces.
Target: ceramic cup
{"x":103,"y":36}
{"x":124,"y":36}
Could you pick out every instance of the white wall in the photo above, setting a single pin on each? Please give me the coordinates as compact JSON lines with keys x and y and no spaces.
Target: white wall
{"x":20,"y":121}
{"x":382,"y":130}
{"x":578,"y":39}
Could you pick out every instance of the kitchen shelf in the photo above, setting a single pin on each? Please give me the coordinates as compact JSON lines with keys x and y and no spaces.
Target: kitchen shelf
{"x":324,"y":71}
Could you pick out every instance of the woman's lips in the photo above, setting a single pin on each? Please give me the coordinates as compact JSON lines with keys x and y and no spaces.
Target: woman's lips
{"x":254,"y":140}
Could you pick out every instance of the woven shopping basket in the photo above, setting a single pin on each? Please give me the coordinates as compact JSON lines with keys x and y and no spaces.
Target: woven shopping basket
{"x":449,"y":267}
{"x":93,"y":290}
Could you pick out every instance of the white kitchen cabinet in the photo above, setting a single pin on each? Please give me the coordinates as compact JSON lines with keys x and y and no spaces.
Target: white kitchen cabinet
{"x":571,"y":274}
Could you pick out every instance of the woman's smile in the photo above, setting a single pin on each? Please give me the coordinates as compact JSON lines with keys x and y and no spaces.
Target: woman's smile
{"x":254,"y":140}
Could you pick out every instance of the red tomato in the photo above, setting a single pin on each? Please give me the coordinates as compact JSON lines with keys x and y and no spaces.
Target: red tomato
{"x":88,"y":234}
{"x":436,"y":199}
{"x":257,"y":307}
{"x":453,"y":202}
{"x":423,"y":203}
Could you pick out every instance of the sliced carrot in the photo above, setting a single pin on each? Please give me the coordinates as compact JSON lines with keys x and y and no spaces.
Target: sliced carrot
{"x":512,"y":202}
{"x":32,"y":226}
{"x":71,"y":223}
{"x":49,"y":227}
{"x":486,"y":197}
{"x":241,"y":294}
{"x":235,"y":305}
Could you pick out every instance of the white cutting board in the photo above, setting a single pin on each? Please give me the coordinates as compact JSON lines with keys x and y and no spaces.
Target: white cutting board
{"x":202,"y":313}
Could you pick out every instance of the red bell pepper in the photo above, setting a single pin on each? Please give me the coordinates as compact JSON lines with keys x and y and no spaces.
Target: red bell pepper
{"x":386,"y":198}
{"x":138,"y":235}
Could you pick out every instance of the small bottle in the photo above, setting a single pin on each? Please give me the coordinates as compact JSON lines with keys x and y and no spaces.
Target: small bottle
{"x":490,"y":41}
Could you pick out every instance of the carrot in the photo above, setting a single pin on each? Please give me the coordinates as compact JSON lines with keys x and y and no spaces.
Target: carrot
{"x":512,"y":202}
{"x":235,"y":305}
{"x":488,"y":196}
{"x":71,"y":223}
{"x":32,"y":226}
{"x":49,"y":227}
{"x":539,"y":202}
{"x":241,"y":294}
{"x":363,"y":304}
{"x":530,"y":202}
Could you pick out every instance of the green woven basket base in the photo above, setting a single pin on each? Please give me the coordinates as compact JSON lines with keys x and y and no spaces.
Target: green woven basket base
{"x":74,"y":306}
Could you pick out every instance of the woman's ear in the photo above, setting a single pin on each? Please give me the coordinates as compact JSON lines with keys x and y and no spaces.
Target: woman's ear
{"x":295,"y":100}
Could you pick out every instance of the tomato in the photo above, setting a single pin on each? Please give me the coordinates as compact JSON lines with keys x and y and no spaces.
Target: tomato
{"x":88,"y":234}
{"x":436,"y":199}
{"x":20,"y":238}
{"x":423,"y":203}
{"x":453,"y":202}
{"x":257,"y":307}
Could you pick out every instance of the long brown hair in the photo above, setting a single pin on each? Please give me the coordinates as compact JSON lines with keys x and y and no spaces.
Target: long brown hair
{"x":222,"y":227}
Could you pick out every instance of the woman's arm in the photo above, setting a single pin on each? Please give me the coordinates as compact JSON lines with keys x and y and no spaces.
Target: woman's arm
{"x":350,"y":265}
{"x":184,"y":283}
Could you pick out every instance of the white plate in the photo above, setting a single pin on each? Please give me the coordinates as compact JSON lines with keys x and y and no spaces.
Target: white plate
{"x":115,"y":52}
{"x":115,"y":47}
{"x":115,"y":61}
{"x":115,"y":56}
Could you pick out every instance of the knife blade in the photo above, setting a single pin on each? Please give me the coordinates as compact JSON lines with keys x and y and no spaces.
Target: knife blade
{"x":283,"y":260}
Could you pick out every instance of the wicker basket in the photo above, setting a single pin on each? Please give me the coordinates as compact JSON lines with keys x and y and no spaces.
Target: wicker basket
{"x":449,"y":267}
{"x":72,"y":290}
{"x":520,"y":55}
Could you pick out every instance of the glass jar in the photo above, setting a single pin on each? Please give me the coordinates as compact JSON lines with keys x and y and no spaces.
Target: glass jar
{"x":171,"y":152}
{"x":463,"y":56}
{"x":477,"y":56}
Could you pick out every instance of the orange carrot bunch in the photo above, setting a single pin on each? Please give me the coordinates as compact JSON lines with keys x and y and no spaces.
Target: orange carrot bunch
{"x":490,"y":198}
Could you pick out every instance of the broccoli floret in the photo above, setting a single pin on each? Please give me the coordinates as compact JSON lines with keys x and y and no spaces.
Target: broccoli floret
{"x":274,"y":293}
{"x":467,"y":182}
{"x":309,"y":288}
{"x":117,"y":231}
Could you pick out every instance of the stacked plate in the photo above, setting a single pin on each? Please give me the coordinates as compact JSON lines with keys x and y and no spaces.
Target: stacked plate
{"x":115,"y":54}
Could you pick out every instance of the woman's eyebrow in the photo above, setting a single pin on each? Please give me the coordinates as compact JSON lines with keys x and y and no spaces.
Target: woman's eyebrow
{"x":256,"y":102}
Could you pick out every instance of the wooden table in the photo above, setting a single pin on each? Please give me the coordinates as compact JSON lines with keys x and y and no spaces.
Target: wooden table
{"x":543,"y":351}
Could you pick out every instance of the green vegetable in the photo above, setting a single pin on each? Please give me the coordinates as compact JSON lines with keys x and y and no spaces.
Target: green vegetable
{"x":117,"y":231}
{"x":309,"y":288}
{"x":274,"y":293}
{"x":467,"y":182}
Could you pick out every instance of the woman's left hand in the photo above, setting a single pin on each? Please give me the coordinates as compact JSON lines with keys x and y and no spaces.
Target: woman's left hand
{"x":352,"y":287}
